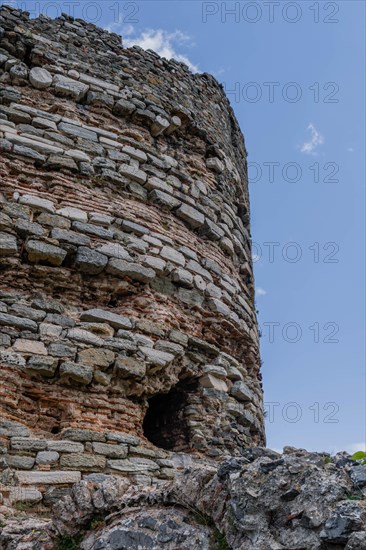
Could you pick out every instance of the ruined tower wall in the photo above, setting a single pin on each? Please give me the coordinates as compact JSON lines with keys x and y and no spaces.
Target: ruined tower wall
{"x":127,"y":318}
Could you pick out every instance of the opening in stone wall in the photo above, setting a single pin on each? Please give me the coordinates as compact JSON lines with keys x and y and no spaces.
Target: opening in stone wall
{"x":165,"y":422}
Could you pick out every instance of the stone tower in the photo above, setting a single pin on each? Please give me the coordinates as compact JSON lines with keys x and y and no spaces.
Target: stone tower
{"x":127,"y":321}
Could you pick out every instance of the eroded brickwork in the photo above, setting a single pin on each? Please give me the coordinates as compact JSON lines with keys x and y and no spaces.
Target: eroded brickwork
{"x":127,"y":317}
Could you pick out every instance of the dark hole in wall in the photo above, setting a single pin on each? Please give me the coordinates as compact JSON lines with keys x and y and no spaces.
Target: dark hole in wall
{"x":165,"y":422}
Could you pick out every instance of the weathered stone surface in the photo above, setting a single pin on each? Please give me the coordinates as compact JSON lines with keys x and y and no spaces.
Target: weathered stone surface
{"x":40,"y":78}
{"x":27,"y":495}
{"x":65,"y":446}
{"x":83,"y":374}
{"x":39,"y":251}
{"x":193,"y":217}
{"x":21,"y":462}
{"x":29,"y":347}
{"x":68,"y":87}
{"x":8,"y":244}
{"x":134,"y":271}
{"x":89,"y":261}
{"x":83,"y":462}
{"x":156,"y":357}
{"x":110,"y":451}
{"x":47,"y":457}
{"x":19,"y":322}
{"x":130,"y":367}
{"x":48,"y":478}
{"x":96,"y":357}
{"x":102,"y":316}
{"x":241,"y":391}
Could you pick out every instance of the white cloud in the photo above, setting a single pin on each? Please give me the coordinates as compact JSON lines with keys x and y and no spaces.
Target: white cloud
{"x":259,"y":291}
{"x":309,"y":147}
{"x":164,"y":43}
{"x":354,"y":447}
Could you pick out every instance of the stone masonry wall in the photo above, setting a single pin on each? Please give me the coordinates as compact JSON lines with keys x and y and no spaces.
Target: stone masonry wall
{"x":127,"y":321}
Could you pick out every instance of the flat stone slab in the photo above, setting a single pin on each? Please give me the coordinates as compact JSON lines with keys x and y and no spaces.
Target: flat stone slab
{"x":101,"y":316}
{"x":48,"y":478}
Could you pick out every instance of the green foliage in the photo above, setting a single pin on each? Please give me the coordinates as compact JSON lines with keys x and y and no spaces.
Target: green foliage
{"x":360,"y":456}
{"x":67,"y":542}
{"x":327,"y":459}
{"x":355,"y":497}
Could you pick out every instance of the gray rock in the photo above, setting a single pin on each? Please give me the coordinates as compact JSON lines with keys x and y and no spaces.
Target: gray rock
{"x":115,"y":250}
{"x":19,"y":322}
{"x":96,"y":230}
{"x":28,"y":444}
{"x":42,"y":365}
{"x":11,"y":428}
{"x":40,"y":78}
{"x":26,"y":228}
{"x":65,"y":446}
{"x":8,"y":244}
{"x":171,"y":254}
{"x":77,"y":434}
{"x":21,"y":462}
{"x":111,"y":451}
{"x":241,"y":391}
{"x":163,"y":199}
{"x":48,"y":478}
{"x":83,"y":462}
{"x":68,"y":87}
{"x":70,"y":237}
{"x":39,"y":251}
{"x":130,"y":367}
{"x":121,"y":437}
{"x":60,"y":349}
{"x":47,"y":457}
{"x":133,"y":465}
{"x":122,"y":107}
{"x":102,"y":316}
{"x":26,"y":495}
{"x":85,"y":336}
{"x":182,"y":277}
{"x":83,"y":374}
{"x":132,"y":172}
{"x":156,"y":357}
{"x":358,"y":475}
{"x":134,"y":271}
{"x":190,"y":215}
{"x":90,"y":261}
{"x":122,"y":539}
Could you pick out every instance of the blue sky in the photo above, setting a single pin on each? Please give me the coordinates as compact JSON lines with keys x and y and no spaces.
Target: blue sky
{"x":295,"y":76}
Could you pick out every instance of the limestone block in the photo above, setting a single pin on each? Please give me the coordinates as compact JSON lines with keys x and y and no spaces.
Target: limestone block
{"x":29,"y":347}
{"x":83,"y":462}
{"x":8,"y":244}
{"x":130,"y":367}
{"x":121,"y":437}
{"x":85,"y":336}
{"x":102,"y":358}
{"x":83,"y":374}
{"x":215,"y":165}
{"x":25,"y":228}
{"x":90,"y":261}
{"x":123,"y":107}
{"x":28,"y":444}
{"x":11,"y":428}
{"x":19,"y":461}
{"x":132,"y":172}
{"x":115,"y":250}
{"x":44,"y":366}
{"x":159,"y":125}
{"x":241,"y":391}
{"x":102,"y":316}
{"x":39,"y":251}
{"x":73,"y":214}
{"x":48,"y":478}
{"x":111,"y":451}
{"x":47,"y":457}
{"x":183,"y":277}
{"x":40,"y":78}
{"x":156,"y":357}
{"x":135,"y":271}
{"x":65,"y":446}
{"x":19,"y":322}
{"x":92,"y":229}
{"x":172,"y":255}
{"x":133,"y":465}
{"x":212,"y":382}
{"x":37,"y":203}
{"x":44,"y":147}
{"x":68,"y":87}
{"x":70,"y":237}
{"x":190,"y":215}
{"x":27,"y":495}
{"x":77,"y":434}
